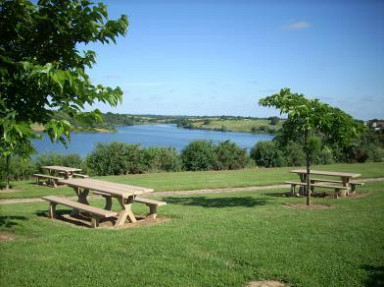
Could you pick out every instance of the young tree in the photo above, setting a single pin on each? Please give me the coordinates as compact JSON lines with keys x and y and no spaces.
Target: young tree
{"x":306,"y":118}
{"x":42,"y":70}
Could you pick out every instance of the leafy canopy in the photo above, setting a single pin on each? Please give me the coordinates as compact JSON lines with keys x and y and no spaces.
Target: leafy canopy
{"x":41,"y":68}
{"x":312,"y":116}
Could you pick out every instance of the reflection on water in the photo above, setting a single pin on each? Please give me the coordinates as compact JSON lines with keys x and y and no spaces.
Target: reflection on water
{"x":165,"y":135}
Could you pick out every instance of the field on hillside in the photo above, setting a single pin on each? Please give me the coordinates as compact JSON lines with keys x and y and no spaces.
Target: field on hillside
{"x":237,"y":125}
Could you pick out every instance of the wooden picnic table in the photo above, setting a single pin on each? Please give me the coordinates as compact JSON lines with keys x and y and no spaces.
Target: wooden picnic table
{"x":344,"y":176}
{"x":56,"y":169}
{"x":125,"y":194}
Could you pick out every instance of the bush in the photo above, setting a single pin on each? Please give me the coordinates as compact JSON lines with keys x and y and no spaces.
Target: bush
{"x":294,"y":154}
{"x":107,"y":159}
{"x":19,"y":168}
{"x":161,"y":159}
{"x":230,"y":156}
{"x":267,"y":154}
{"x":199,"y":155}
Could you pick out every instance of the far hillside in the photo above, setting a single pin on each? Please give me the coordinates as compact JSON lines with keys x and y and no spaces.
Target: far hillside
{"x":219,"y":123}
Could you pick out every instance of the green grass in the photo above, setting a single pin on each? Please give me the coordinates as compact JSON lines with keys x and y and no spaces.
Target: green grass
{"x":200,"y":180}
{"x":210,"y":240}
{"x":242,"y":125}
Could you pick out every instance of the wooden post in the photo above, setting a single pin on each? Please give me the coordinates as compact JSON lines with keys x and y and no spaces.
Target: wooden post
{"x":52,"y":210}
{"x":152,"y":211}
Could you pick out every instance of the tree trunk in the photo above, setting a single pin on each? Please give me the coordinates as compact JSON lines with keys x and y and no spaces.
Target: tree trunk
{"x":7,"y":163}
{"x":307,"y":151}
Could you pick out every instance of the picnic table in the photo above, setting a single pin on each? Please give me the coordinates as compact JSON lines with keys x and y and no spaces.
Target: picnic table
{"x":68,"y":172}
{"x":125,"y":194}
{"x":345,"y":179}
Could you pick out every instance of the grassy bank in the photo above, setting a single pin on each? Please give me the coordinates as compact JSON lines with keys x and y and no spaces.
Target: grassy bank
{"x":200,"y":180}
{"x":210,"y":240}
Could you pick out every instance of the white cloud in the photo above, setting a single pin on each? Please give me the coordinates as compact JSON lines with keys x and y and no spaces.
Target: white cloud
{"x":297,"y":25}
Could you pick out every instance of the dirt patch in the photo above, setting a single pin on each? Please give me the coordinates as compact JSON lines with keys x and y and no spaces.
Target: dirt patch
{"x":309,"y":207}
{"x":108,"y":223}
{"x":266,"y":283}
{"x":4,"y":236}
{"x":10,"y":190}
{"x":358,"y":195}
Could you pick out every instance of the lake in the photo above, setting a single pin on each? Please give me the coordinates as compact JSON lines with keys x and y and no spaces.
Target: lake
{"x":163,"y":135}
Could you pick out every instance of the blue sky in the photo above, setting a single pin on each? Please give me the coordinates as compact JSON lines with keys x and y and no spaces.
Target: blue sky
{"x":220,"y":57}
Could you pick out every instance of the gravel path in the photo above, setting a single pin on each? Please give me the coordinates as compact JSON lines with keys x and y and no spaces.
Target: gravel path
{"x":185,"y":192}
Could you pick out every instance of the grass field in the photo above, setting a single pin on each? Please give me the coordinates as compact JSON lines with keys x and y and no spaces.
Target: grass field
{"x":237,"y":125}
{"x":199,"y":180}
{"x":209,"y":240}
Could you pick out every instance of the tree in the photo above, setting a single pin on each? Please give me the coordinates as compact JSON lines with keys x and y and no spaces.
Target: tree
{"x":42,"y":70}
{"x":308,"y":117}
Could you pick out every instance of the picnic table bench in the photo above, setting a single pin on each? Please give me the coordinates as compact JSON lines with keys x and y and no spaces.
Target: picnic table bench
{"x":125,"y":195}
{"x":351,"y":183}
{"x":65,"y":170}
{"x":50,"y":179}
{"x":337,"y":188}
{"x":345,"y":185}
{"x":95,"y":213}
{"x":151,"y":203}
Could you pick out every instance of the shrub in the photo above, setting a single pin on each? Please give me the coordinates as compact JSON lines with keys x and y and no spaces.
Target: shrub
{"x":161,"y":159}
{"x":294,"y":154}
{"x":19,"y":168}
{"x":267,"y":154}
{"x":199,"y":155}
{"x":230,"y":156}
{"x":107,"y":159}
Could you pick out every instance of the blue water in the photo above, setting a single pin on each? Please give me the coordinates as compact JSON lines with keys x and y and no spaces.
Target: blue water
{"x":164,"y":135}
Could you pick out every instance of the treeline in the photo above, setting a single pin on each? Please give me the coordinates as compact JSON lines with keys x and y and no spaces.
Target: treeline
{"x":119,"y":158}
{"x":278,"y":152}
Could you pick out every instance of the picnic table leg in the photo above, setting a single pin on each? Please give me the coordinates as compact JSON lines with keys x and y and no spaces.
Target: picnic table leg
{"x":52,"y":210}
{"x":108,"y":203}
{"x":302,"y":189}
{"x":344,"y":192}
{"x":126,"y":212}
{"x":81,"y":197}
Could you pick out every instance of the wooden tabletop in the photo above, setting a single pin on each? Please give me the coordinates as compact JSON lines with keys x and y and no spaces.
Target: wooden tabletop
{"x":328,"y":173}
{"x":61,"y":168}
{"x":115,"y":189}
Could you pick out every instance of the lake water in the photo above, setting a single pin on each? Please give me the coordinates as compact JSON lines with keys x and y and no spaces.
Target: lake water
{"x":164,"y":135}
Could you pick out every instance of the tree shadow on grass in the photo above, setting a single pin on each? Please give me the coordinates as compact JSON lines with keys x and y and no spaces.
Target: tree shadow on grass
{"x":376,"y":276}
{"x":9,"y":221}
{"x":216,"y":202}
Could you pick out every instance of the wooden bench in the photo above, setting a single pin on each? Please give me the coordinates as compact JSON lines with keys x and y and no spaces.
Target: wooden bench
{"x":80,"y":175}
{"x":152,"y":204}
{"x":51,"y":180}
{"x":351,"y":183}
{"x":95,"y":213}
{"x":337,"y":188}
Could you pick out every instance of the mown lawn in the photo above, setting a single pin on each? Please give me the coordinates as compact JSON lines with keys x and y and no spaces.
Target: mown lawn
{"x":200,"y":180}
{"x":209,"y":240}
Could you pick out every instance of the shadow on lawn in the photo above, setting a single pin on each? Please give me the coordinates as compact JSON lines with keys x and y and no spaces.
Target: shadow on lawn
{"x":216,"y":202}
{"x":9,"y":221}
{"x":376,"y":276}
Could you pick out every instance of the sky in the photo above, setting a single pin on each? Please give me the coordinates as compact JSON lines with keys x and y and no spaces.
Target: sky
{"x":195,"y":57}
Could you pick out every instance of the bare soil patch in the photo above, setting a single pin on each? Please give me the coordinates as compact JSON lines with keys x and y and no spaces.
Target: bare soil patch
{"x":309,"y":207}
{"x":4,"y":236}
{"x":83,"y":221}
{"x":266,"y":283}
